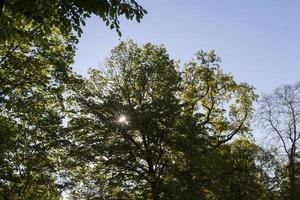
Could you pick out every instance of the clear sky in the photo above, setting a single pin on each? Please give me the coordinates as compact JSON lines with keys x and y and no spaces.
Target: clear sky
{"x":258,"y":40}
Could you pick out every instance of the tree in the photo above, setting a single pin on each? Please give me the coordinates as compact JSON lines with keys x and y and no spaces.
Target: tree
{"x":140,"y":131}
{"x":37,"y":47}
{"x":33,"y":79}
{"x":279,"y":114}
{"x":67,"y":15}
{"x":221,"y":104}
{"x":236,"y":174}
{"x":139,"y":88}
{"x":26,"y":28}
{"x":216,"y":109}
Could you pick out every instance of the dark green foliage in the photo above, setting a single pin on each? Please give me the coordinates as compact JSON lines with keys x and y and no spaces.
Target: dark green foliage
{"x":34,"y":72}
{"x":37,"y":47}
{"x":143,"y":129}
{"x":33,"y":78}
{"x":140,"y":83}
{"x":67,"y":15}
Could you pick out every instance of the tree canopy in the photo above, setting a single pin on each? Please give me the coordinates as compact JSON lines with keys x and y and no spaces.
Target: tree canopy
{"x":143,"y":128}
{"x":67,"y":15}
{"x":37,"y":48}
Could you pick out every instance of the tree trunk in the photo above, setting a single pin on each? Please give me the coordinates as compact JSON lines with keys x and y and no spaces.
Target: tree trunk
{"x":155,"y":191}
{"x":292,"y":174}
{"x":1,"y":6}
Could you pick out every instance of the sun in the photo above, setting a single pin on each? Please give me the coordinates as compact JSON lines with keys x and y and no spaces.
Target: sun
{"x":122,"y":119}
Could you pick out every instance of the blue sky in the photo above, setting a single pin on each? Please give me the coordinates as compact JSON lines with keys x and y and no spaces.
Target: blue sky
{"x":258,"y":40}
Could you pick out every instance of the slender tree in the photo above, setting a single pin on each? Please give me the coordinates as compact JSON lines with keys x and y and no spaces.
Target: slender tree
{"x":279,"y":113}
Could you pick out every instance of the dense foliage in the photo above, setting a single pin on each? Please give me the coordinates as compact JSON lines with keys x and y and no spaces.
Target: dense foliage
{"x":66,"y":15}
{"x":144,"y":128}
{"x":37,"y":47}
